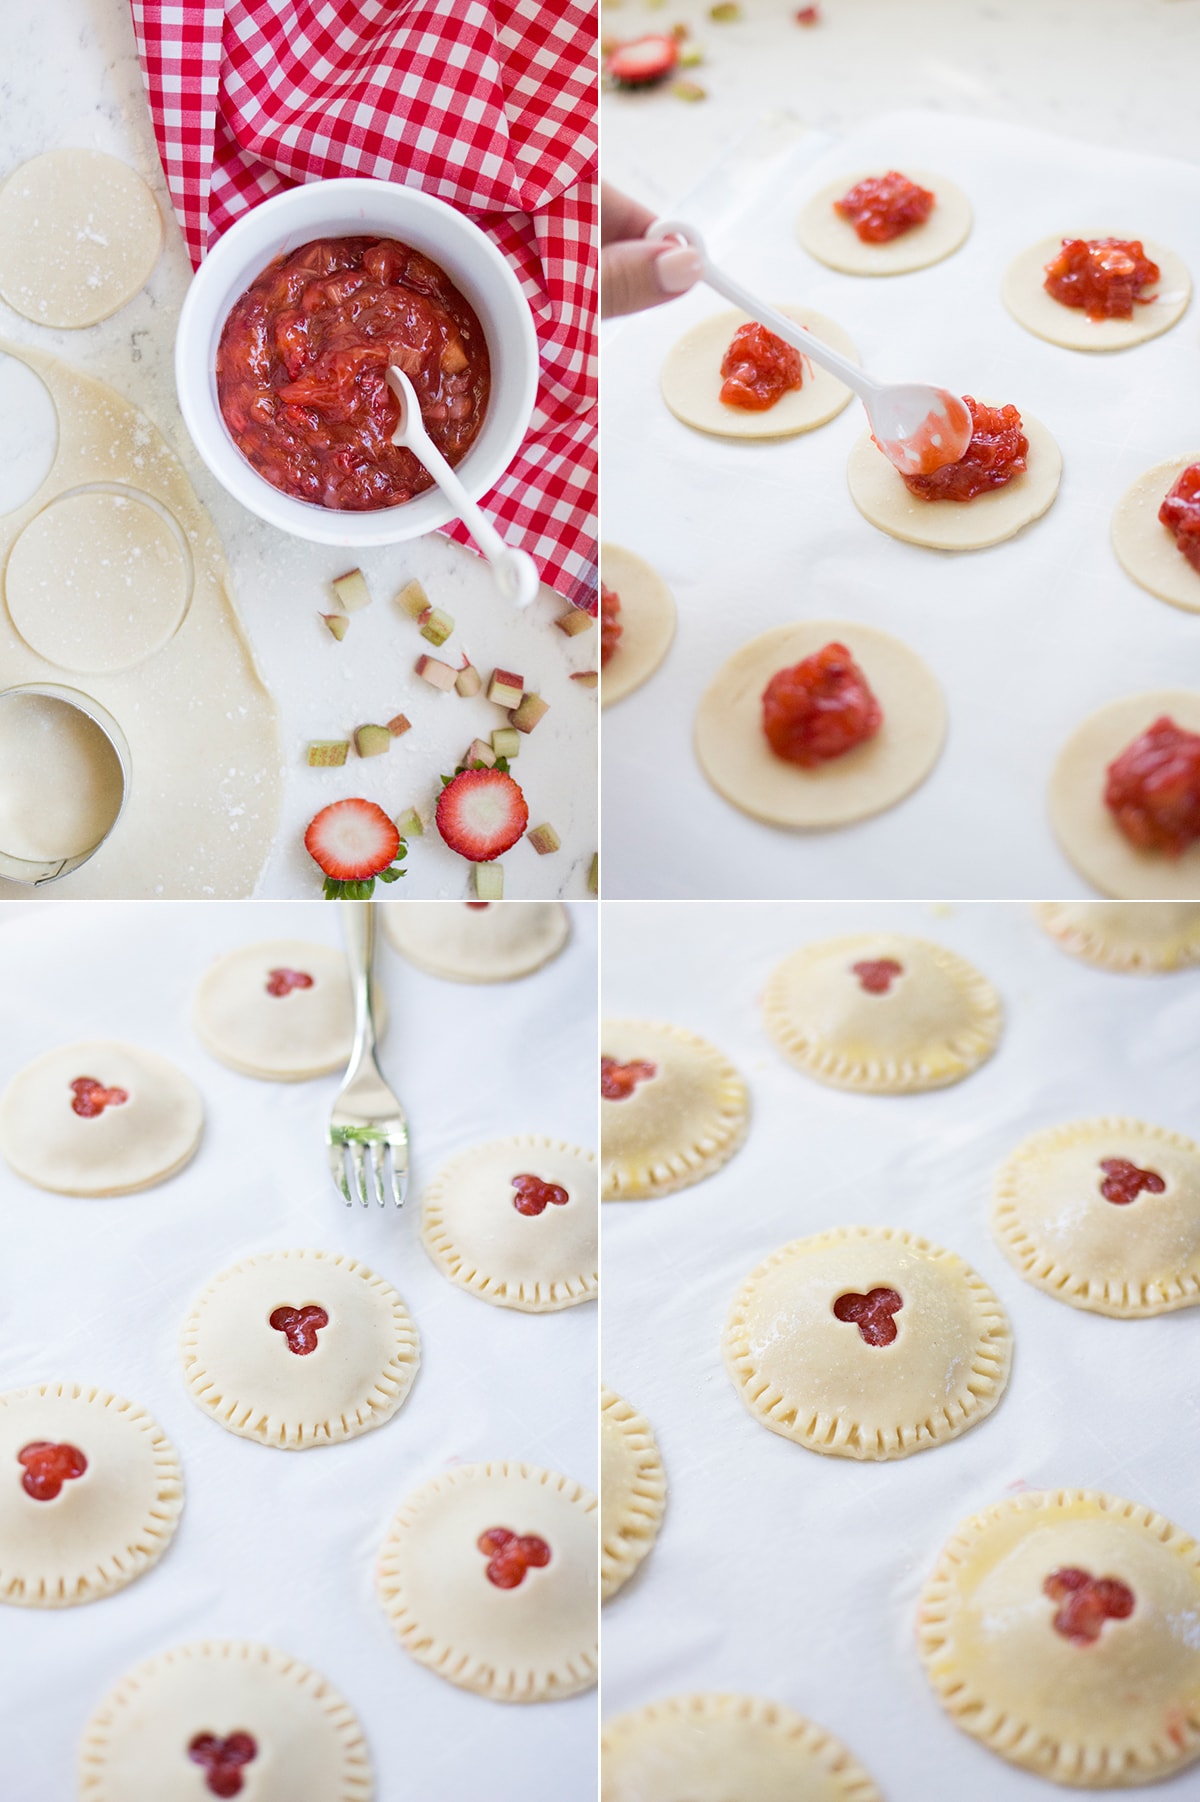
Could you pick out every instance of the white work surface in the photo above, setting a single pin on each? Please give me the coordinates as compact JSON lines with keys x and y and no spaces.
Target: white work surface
{"x":280,"y":1546}
{"x":72,"y":78}
{"x":792,"y":1575}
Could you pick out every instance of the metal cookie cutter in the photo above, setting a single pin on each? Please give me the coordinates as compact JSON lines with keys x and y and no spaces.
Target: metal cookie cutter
{"x":32,"y":872}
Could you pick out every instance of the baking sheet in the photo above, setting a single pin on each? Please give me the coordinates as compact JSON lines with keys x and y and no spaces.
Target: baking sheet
{"x":792,"y":1575}
{"x":1027,"y":638}
{"x":281,"y":1546}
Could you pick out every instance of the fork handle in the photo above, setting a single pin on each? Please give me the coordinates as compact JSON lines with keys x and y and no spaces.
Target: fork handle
{"x":358,"y":929}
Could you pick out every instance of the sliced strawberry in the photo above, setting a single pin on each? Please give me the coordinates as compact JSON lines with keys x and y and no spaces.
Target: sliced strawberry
{"x":643,"y":60}
{"x":481,"y":814}
{"x":353,"y":842}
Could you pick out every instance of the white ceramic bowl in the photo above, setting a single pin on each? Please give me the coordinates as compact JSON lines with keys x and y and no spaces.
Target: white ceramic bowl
{"x":350,"y":208}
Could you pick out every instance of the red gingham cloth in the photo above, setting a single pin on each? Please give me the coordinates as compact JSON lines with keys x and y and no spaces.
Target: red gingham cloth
{"x":487,"y":104}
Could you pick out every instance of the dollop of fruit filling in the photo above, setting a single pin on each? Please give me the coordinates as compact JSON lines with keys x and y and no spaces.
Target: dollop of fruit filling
{"x":533,"y":1196}
{"x":91,"y":1097}
{"x":1101,"y":276}
{"x":1085,"y":1603}
{"x":610,"y":622}
{"x":510,"y":1555}
{"x":300,"y":1327}
{"x":1153,"y":789}
{"x":758,"y":369}
{"x":871,"y":1314}
{"x":877,"y":974}
{"x":1124,"y":1182}
{"x":996,"y":453}
{"x":223,"y":1760}
{"x":48,"y":1466}
{"x":882,"y":207}
{"x":477,"y":907}
{"x":820,"y":708}
{"x":1180,"y":513}
{"x":282,"y":982}
{"x":618,"y":1081}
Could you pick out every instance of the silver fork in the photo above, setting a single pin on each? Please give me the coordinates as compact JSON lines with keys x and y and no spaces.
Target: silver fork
{"x":367,"y":1121}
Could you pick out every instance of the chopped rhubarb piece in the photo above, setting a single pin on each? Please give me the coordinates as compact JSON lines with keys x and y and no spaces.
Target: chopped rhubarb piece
{"x":1180,"y":513}
{"x":399,"y":725}
{"x":413,"y":599}
{"x":91,"y":1097}
{"x":726,"y":12}
{"x":643,"y":61}
{"x":610,"y":623}
{"x":328,"y":753}
{"x":882,"y":207}
{"x":533,"y":1196}
{"x":372,"y":741}
{"x":1153,"y":789}
{"x":506,"y":689}
{"x":1102,"y":276}
{"x":511,"y":1555}
{"x":481,"y":814}
{"x":410,"y":824}
{"x":532,"y":709}
{"x":586,"y":678}
{"x":690,"y":56}
{"x":435,"y":625}
{"x":506,"y":741}
{"x":820,"y":708}
{"x":808,"y":15}
{"x":489,"y":882}
{"x":688,"y":90}
{"x":544,"y":839}
{"x":352,"y":591}
{"x":48,"y":1466}
{"x":871,"y":1314}
{"x":223,"y":1760}
{"x":1124,"y":1182}
{"x":338,"y":624}
{"x":480,"y":751}
{"x":282,"y":981}
{"x":300,"y":1327}
{"x":468,"y":681}
{"x":759,"y":369}
{"x":1085,"y":1603}
{"x":353,"y":842}
{"x":618,"y":1081}
{"x":574,"y":621}
{"x":996,"y":453}
{"x":593,"y":881}
{"x":438,"y":675}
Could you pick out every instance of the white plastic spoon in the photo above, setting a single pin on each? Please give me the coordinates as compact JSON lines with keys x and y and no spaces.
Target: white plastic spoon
{"x":918,"y":428}
{"x":515,"y":570}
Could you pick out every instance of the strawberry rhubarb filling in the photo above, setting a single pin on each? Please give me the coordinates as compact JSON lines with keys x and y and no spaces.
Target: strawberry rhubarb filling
{"x":223,"y":1760}
{"x":47,"y":1466}
{"x":996,"y":453}
{"x":758,"y":369}
{"x":610,"y":623}
{"x":877,"y":974}
{"x":300,"y":1327}
{"x":819,"y":709}
{"x":533,"y":1196}
{"x":1124,"y":1182}
{"x":618,"y":1081}
{"x":1103,"y":277}
{"x":883,"y":207}
{"x":1180,"y":513}
{"x":1153,"y":789}
{"x":871,"y":1314}
{"x":510,"y":1555}
{"x":1085,"y":1603}
{"x":91,"y":1097}
{"x":282,"y":982}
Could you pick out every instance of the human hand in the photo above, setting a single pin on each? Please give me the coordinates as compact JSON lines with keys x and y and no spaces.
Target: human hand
{"x":635,"y":274}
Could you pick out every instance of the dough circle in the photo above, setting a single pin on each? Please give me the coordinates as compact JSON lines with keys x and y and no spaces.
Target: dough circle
{"x":935,"y":1023}
{"x":675,"y":1128}
{"x":1142,"y":936}
{"x":244,"y":1374}
{"x":1127,"y":1259}
{"x":1083,"y":825}
{"x":878,"y":492}
{"x":647,"y":620}
{"x":733,"y":752}
{"x":834,"y":241}
{"x":1025,"y":296}
{"x":488,"y":941}
{"x":813,"y":1378}
{"x":80,"y":233}
{"x":712,"y":1747}
{"x":1145,"y":548}
{"x":63,"y":784}
{"x":106,"y":1527}
{"x":1116,"y":1712}
{"x":279,"y":1037}
{"x":691,"y":381}
{"x":534,"y":1642}
{"x":128,"y":1146}
{"x":308,"y":1745}
{"x":633,"y":1491}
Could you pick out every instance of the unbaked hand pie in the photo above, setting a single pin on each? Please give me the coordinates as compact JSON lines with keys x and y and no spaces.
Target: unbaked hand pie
{"x":885,"y":224}
{"x":299,"y":1348}
{"x":637,"y":622}
{"x":90,"y":1494}
{"x":223,"y":1717}
{"x":283,"y":1010}
{"x":476,"y":941}
{"x":723,"y":1748}
{"x":488,"y":1575}
{"x":1104,"y":1215}
{"x":1091,"y":291}
{"x":1058,"y":1627}
{"x":672,"y":1109}
{"x":882,"y":1012}
{"x":633,"y":1491}
{"x":1141,"y":936}
{"x":517,"y":1223}
{"x":701,"y":368}
{"x":1156,"y":532}
{"x":867,"y":1342}
{"x":99,"y":1118}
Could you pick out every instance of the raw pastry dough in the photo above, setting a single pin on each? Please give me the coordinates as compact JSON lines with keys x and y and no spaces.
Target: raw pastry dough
{"x":676,"y":1127}
{"x":539,"y":1258}
{"x":1145,"y":548}
{"x":1143,"y":936}
{"x":714,"y":1748}
{"x":79,"y":234}
{"x":834,"y":241}
{"x":489,"y":941}
{"x":814,"y":1377}
{"x":647,"y":622}
{"x":1127,"y":1258}
{"x":1110,"y":1712}
{"x":105,"y":1527}
{"x":308,"y":1746}
{"x":1024,"y":294}
{"x":691,"y":381}
{"x":127,"y":1146}
{"x":242,"y":1369}
{"x":733,"y":751}
{"x":532,"y":1642}
{"x":633,"y":1491}
{"x":878,"y":492}
{"x":1083,"y":825}
{"x":935,"y":1021}
{"x":63,"y":783}
{"x":282,"y":1037}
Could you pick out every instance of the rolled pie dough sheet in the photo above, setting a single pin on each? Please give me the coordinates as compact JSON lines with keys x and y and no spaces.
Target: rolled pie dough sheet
{"x":691,"y":381}
{"x":878,"y":491}
{"x":246,"y":1014}
{"x":105,"y":1527}
{"x":129,"y":1145}
{"x":79,"y":234}
{"x":1141,"y":936}
{"x":647,"y":621}
{"x":1083,"y":825}
{"x":308,"y":1745}
{"x":481,"y":941}
{"x":675,"y":1127}
{"x":633,"y":1491}
{"x":1024,"y":294}
{"x":1145,"y":548}
{"x":834,"y":241}
{"x":733,"y":752}
{"x":532,"y":1642}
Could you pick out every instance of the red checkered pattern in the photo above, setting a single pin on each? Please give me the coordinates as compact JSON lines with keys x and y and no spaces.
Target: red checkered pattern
{"x":487,"y":104}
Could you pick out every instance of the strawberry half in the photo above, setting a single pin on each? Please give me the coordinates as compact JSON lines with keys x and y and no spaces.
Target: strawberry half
{"x":643,"y":61}
{"x":353,"y":842}
{"x":481,"y":813}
